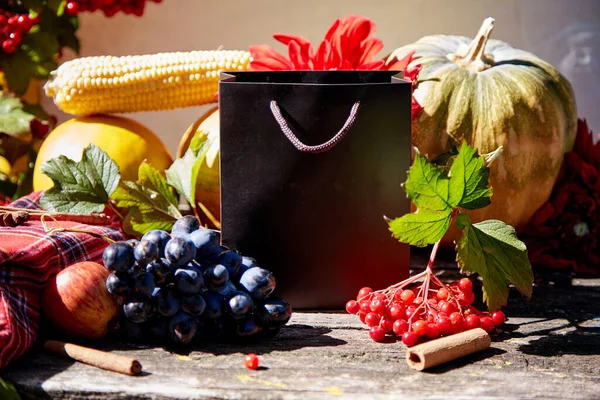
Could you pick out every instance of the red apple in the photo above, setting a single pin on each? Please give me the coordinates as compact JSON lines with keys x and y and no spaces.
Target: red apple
{"x":77,"y":302}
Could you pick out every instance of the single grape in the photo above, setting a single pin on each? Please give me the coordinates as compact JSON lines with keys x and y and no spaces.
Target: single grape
{"x":247,"y":263}
{"x":498,"y":318}
{"x":161,"y":271}
{"x":216,"y":275}
{"x":185,"y":225}
{"x":144,"y":284}
{"x":136,"y":311}
{"x":400,"y":326}
{"x":251,"y":361}
{"x":133,"y":332}
{"x":274,"y":312}
{"x":118,"y":256}
{"x":227,"y":290}
{"x":179,"y":251}
{"x":165,"y":302}
{"x":377,"y":333}
{"x":193,"y":304}
{"x":352,"y":307}
{"x":207,"y":244}
{"x":120,"y":283}
{"x":248,"y":328}
{"x":258,"y":282}
{"x":471,"y":322}
{"x":182,"y":328}
{"x":214,"y":303}
{"x":230,"y":260}
{"x":157,"y":330}
{"x":465,"y":285}
{"x":160,"y":238}
{"x":410,"y":338}
{"x":188,"y":281}
{"x":145,"y":252}
{"x":240,"y":304}
{"x":372,"y":319}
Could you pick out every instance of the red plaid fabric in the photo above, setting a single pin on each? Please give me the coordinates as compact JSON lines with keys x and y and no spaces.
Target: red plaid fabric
{"x":28,"y":258}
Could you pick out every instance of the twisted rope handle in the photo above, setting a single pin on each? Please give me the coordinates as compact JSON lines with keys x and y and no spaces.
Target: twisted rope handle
{"x":318,"y":148}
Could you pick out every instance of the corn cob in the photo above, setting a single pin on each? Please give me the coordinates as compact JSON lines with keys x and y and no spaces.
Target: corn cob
{"x":106,"y":84}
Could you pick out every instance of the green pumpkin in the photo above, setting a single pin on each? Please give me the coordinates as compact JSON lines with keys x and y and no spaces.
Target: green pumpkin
{"x":490,"y":95}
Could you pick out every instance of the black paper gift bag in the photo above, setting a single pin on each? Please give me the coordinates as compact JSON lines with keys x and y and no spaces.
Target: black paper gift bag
{"x":311,"y":161}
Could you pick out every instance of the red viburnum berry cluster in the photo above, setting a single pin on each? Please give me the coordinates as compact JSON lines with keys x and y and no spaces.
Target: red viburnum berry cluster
{"x":12,"y":28}
{"x":108,"y":7}
{"x":427,"y":309}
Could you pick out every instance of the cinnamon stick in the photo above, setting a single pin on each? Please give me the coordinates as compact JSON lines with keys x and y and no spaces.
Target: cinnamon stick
{"x":439,"y":351}
{"x":96,"y":358}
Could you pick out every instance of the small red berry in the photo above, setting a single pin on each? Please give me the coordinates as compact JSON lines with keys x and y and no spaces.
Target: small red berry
{"x":24,"y":23}
{"x":396,"y":311}
{"x":407,"y":296}
{"x":458,"y":322}
{"x":444,"y":325}
{"x":466,"y":297}
{"x":386,"y":324}
{"x":364,"y":292}
{"x":34,"y":20}
{"x":409,"y":338}
{"x":449,"y":307}
{"x":377,"y":306}
{"x":362,"y":316}
{"x":410,"y":310}
{"x":3,"y":20}
{"x":365,"y":306}
{"x":442,"y":294}
{"x":380,"y":297}
{"x":9,"y":46}
{"x":13,"y":21}
{"x":377,"y":333}
{"x":16,"y":37}
{"x":498,"y":317}
{"x":352,"y":307}
{"x":486,"y":323}
{"x":471,"y":322}
{"x":72,"y":8}
{"x":400,"y":326}
{"x":419,"y":327}
{"x":251,"y":361}
{"x":372,"y":319}
{"x":432,"y":331}
{"x":465,"y":285}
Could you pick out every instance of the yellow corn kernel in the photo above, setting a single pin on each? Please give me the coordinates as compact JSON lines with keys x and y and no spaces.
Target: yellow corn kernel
{"x":107,"y":84}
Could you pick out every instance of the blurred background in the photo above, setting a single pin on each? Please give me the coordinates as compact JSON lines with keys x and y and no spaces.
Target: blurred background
{"x":565,"y":33}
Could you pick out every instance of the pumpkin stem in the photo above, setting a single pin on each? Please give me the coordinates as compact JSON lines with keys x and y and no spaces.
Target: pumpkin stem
{"x":474,"y":58}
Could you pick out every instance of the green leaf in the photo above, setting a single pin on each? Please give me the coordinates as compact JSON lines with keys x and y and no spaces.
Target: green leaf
{"x":14,"y":120}
{"x":150,"y":201}
{"x":469,"y":179}
{"x":183,"y":173}
{"x":421,"y":228}
{"x":8,"y":391}
{"x":18,"y":71}
{"x":428,"y":186}
{"x":80,"y":187}
{"x":491,"y":249}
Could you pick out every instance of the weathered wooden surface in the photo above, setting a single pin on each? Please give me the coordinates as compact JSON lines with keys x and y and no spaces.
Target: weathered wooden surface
{"x":550,"y":348}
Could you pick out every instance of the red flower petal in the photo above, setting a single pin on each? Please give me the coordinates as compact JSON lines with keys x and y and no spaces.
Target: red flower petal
{"x":368,"y":50}
{"x":286,"y":39}
{"x":300,"y":55}
{"x":265,"y":58}
{"x":322,"y":56}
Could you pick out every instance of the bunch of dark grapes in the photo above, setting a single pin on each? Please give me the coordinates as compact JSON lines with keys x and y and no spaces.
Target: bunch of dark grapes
{"x":427,"y":310}
{"x":12,"y":28}
{"x":185,"y":285}
{"x":108,"y":7}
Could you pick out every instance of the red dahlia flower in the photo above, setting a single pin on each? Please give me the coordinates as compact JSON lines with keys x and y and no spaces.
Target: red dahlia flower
{"x":349,"y":44}
{"x":563,"y":233}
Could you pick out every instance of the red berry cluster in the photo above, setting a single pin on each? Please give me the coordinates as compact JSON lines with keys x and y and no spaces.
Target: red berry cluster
{"x":427,"y":310}
{"x":108,"y":7}
{"x":12,"y":28}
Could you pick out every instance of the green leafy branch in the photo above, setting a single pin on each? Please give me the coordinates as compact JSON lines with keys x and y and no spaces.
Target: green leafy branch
{"x":442,"y":191}
{"x":93,"y":183}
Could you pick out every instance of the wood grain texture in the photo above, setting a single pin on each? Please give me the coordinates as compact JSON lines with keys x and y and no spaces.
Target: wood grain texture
{"x":549,"y":348}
